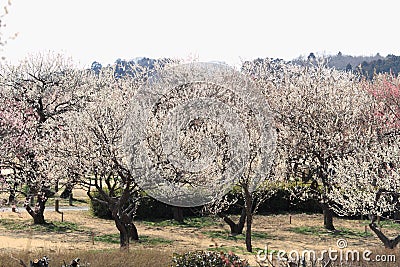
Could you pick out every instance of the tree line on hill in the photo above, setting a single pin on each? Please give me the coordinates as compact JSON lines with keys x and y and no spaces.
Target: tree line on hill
{"x":364,"y":65}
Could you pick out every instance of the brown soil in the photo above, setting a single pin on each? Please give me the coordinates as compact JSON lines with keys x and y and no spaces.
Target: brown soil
{"x":185,"y":238}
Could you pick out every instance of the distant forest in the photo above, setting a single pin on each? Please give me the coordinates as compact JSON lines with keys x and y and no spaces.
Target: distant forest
{"x":132,"y":67}
{"x":365,"y":65}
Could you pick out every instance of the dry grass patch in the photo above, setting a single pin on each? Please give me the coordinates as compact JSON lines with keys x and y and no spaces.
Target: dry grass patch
{"x":74,"y":235}
{"x":105,"y":258}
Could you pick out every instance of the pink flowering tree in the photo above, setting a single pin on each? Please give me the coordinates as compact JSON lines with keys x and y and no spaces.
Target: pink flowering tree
{"x":15,"y":137}
{"x":37,"y":94}
{"x":386,"y":90}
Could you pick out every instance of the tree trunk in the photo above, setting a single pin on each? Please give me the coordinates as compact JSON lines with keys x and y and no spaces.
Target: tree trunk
{"x":67,"y":191}
{"x":127,"y":230}
{"x":38,"y":212}
{"x":178,"y":214}
{"x":11,"y":197}
{"x":56,"y":186}
{"x":242,"y":220}
{"x":249,"y":218}
{"x":123,"y":233}
{"x":328,"y":218}
{"x":133,"y":233}
{"x":70,"y":199}
{"x":248,"y":232}
{"x":236,"y":228}
{"x":39,"y":218}
{"x":388,"y":243}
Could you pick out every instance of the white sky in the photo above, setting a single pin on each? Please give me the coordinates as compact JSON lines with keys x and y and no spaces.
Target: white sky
{"x":220,"y":30}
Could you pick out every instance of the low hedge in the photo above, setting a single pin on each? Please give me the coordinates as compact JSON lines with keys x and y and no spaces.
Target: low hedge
{"x":149,"y":209}
{"x":152,"y":209}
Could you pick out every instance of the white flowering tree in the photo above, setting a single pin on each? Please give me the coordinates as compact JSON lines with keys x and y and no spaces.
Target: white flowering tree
{"x":368,"y":183}
{"x":247,"y":200}
{"x":94,"y":150}
{"x":37,"y":94}
{"x":201,"y":129}
{"x":320,"y":116}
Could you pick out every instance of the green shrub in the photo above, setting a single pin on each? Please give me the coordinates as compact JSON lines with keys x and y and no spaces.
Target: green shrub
{"x":153,"y":209}
{"x":99,"y":209}
{"x":150,"y":208}
{"x":207,"y":259}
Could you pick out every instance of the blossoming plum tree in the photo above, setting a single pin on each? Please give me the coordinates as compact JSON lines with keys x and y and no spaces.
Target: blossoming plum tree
{"x":93,"y":149}
{"x":37,"y":94}
{"x":320,"y":116}
{"x":368,"y":182}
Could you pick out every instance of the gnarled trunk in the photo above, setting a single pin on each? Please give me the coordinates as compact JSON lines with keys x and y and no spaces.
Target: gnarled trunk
{"x":67,"y":190}
{"x":37,"y":212}
{"x":123,"y":233}
{"x":236,"y":228}
{"x":388,"y":243}
{"x":127,"y":230}
{"x":133,"y":233}
{"x":11,"y":197}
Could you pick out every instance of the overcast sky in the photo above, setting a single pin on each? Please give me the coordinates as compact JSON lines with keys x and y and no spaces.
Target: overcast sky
{"x":219,"y":30}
